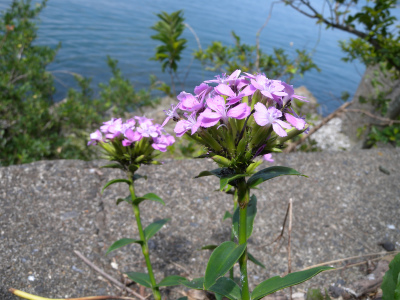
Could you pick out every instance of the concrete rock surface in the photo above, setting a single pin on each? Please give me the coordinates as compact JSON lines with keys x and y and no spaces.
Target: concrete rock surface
{"x":346,"y":207}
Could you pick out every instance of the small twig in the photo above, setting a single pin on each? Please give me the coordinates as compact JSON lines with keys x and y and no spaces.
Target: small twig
{"x":258,"y":35}
{"x":182,"y":268}
{"x":356,"y":264}
{"x":105,"y":275}
{"x":289,"y":244}
{"x":194,"y":34}
{"x":283,"y":225}
{"x":280,"y":236}
{"x":388,"y":121}
{"x":350,"y":258}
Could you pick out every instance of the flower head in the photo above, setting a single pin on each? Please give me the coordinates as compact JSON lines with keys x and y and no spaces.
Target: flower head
{"x":239,"y":119}
{"x":132,"y":142}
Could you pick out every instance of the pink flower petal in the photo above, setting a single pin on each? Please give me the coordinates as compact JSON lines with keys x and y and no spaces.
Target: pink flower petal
{"x":279,"y":130}
{"x":240,"y":111}
{"x":223,"y":89}
{"x":283,"y":124}
{"x":298,"y":123}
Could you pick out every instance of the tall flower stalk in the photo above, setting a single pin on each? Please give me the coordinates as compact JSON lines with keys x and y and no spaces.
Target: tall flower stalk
{"x":237,"y":119}
{"x":130,"y":144}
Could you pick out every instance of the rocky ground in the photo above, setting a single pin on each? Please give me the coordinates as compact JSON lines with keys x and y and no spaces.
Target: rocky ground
{"x":347,"y":207}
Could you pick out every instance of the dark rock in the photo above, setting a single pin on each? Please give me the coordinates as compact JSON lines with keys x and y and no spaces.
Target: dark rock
{"x":388,"y":246}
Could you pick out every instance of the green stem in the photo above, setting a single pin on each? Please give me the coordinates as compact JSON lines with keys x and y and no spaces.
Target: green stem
{"x":145,"y":247}
{"x":235,"y":202}
{"x":243,"y":199}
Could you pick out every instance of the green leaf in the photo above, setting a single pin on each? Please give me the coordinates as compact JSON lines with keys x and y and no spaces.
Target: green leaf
{"x":127,"y":199}
{"x":218,"y":296}
{"x":138,"y":176}
{"x":269,"y":173}
{"x":208,"y":247}
{"x":251,"y":214}
{"x":226,"y":287}
{"x":216,"y":172}
{"x":183,"y":298}
{"x":171,"y":280}
{"x":221,"y":173}
{"x":221,"y":261}
{"x":227,"y":215}
{"x":122,"y":242}
{"x":255,"y":261}
{"x":153,"y":228}
{"x":149,"y":196}
{"x":224,"y":180}
{"x":196,"y":284}
{"x":115,"y":181}
{"x":391,"y":281}
{"x":277,"y":283}
{"x":141,"y":278}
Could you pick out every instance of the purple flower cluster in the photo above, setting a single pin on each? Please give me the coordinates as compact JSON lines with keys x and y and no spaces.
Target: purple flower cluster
{"x":232,"y":98}
{"x":264,"y":103}
{"x":133,"y":130}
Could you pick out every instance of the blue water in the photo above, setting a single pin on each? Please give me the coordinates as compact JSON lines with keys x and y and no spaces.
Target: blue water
{"x":90,"y":30}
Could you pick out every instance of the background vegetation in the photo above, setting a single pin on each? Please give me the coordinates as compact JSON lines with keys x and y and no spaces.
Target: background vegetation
{"x":33,"y":127}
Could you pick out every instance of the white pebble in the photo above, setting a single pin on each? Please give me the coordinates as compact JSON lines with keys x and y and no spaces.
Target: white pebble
{"x":391,"y":226}
{"x":114,"y":265}
{"x":31,"y":278}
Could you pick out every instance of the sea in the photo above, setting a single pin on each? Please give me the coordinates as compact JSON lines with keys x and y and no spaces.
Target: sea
{"x":89,"y":30}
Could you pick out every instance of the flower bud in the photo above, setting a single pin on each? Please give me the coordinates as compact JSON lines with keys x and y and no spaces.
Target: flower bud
{"x":222,"y":161}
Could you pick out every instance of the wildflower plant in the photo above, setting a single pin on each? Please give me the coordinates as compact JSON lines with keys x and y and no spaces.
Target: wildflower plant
{"x":130,"y":144}
{"x":238,"y":119}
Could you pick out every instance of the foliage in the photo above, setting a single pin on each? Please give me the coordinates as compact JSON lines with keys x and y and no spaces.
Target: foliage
{"x":227,"y":59}
{"x":376,"y":42}
{"x":391,"y":281}
{"x":169,"y":29}
{"x":32,"y":127}
{"x":377,"y":38}
{"x":388,"y":134}
{"x":28,"y":130}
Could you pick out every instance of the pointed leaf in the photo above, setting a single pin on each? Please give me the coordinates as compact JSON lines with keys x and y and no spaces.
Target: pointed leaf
{"x":138,"y":176}
{"x":255,"y":261}
{"x":224,"y":180}
{"x":226,"y":287}
{"x":196,"y":284}
{"x":127,"y":199}
{"x":141,"y":278}
{"x":122,"y":242}
{"x":153,"y":228}
{"x":251,"y":214}
{"x":221,"y":261}
{"x":149,"y":196}
{"x":133,"y":167}
{"x":208,"y":247}
{"x":391,"y":280}
{"x":115,"y":181}
{"x":277,"y":283}
{"x":269,"y":173}
{"x":216,"y":172}
{"x":227,"y":215}
{"x":171,"y":280}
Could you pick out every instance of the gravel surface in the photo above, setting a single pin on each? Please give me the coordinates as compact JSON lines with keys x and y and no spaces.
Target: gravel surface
{"x":347,"y":206}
